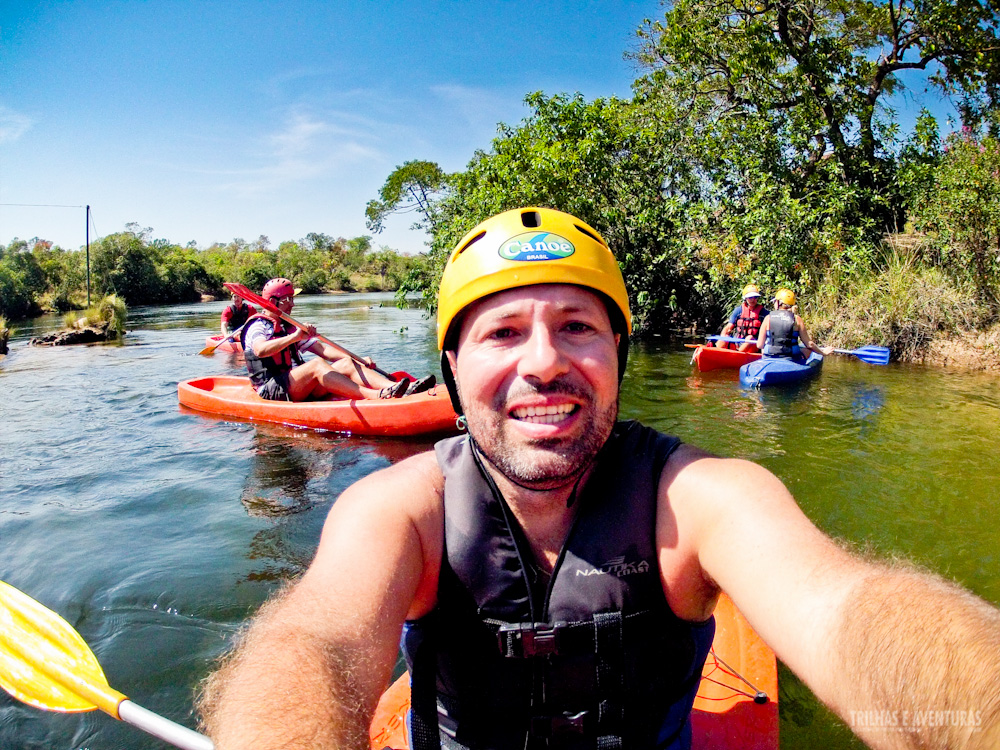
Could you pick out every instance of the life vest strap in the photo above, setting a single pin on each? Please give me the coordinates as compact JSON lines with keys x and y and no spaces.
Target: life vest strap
{"x":610,"y":652}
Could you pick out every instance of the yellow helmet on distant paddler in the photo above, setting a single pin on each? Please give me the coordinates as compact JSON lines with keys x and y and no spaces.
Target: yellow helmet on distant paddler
{"x":785,"y":297}
{"x":523,"y":247}
{"x":750,"y":290}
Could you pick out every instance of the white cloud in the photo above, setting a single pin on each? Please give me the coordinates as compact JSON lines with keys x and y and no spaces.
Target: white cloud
{"x":13,"y":125}
{"x":305,"y":147}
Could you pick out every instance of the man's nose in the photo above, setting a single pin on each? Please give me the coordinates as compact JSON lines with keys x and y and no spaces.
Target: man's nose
{"x":542,"y":357}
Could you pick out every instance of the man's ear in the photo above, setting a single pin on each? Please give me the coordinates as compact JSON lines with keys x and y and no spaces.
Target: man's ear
{"x":452,"y":359}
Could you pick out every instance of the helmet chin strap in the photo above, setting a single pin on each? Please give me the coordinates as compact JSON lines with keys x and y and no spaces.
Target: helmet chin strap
{"x":449,"y":381}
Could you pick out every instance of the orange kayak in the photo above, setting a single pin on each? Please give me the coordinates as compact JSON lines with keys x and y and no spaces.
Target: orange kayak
{"x":739,"y":667}
{"x":712,"y":358}
{"x":232,"y":346}
{"x":229,"y":396}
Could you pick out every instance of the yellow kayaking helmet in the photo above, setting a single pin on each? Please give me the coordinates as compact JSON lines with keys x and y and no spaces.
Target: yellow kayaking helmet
{"x":523,"y":247}
{"x":750,"y":290}
{"x":785,"y":297}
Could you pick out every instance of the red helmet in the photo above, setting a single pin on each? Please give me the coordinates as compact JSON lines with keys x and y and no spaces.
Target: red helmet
{"x":278,"y":288}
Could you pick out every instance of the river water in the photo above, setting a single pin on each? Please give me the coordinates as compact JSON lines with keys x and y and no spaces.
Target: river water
{"x":156,"y":531}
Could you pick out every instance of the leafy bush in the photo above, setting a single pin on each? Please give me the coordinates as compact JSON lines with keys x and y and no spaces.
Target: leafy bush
{"x":110,"y":311}
{"x":961,"y":209}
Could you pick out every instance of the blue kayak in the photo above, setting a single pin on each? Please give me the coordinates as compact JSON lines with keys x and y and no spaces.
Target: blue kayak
{"x":779,"y":370}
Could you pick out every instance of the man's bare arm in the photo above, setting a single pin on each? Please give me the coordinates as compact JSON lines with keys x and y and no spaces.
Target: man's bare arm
{"x":919,"y":659}
{"x":864,"y":636}
{"x":309,"y":670}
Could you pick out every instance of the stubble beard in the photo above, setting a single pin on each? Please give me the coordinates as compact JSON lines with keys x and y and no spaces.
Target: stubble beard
{"x":547,"y":463}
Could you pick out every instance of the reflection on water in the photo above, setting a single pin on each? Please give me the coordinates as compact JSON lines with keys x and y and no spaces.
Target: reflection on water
{"x":280,"y":474}
{"x":294,"y":470}
{"x":157,"y":531}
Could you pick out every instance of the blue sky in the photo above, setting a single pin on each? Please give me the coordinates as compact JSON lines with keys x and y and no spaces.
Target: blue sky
{"x":207,"y":121}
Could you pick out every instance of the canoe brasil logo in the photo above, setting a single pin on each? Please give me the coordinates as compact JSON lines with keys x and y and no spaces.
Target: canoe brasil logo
{"x":537,"y":246}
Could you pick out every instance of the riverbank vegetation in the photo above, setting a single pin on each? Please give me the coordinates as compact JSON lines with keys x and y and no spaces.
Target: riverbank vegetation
{"x":37,"y":276}
{"x":759,"y":146}
{"x":5,"y":334}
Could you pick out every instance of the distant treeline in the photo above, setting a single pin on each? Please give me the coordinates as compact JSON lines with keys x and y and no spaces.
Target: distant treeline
{"x":37,"y":276}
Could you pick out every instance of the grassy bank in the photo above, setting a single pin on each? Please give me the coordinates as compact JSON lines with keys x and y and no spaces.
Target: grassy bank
{"x":920,"y":312}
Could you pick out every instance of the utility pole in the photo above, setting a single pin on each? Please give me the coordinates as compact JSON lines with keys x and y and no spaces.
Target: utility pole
{"x":88,"y":257}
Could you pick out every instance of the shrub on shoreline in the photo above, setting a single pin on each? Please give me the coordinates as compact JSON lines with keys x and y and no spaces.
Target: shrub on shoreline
{"x":899,"y":302}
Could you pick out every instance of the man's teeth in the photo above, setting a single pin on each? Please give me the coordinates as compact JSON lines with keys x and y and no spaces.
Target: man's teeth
{"x":543,"y":414}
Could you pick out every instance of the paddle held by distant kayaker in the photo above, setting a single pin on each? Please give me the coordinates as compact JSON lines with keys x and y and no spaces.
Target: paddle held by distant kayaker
{"x":745,"y":321}
{"x":278,"y":371}
{"x":235,"y":315}
{"x":783,"y":333}
{"x":553,"y":573}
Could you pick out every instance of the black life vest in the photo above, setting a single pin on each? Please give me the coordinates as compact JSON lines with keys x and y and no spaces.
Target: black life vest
{"x":262,"y":370}
{"x":782,"y":338}
{"x":597,"y":660}
{"x":749,"y":321}
{"x":238,"y":315}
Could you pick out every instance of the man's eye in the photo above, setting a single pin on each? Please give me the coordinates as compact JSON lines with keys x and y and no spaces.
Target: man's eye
{"x":578,"y":327}
{"x":502,"y":333}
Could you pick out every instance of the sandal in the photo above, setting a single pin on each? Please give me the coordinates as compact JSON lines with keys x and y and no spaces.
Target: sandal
{"x":421,"y":385}
{"x":396,"y":390}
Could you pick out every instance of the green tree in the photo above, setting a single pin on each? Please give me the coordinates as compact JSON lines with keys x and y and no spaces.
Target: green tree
{"x":820,"y":69}
{"x":123,"y":265}
{"x":412,"y":187}
{"x":596,"y":160}
{"x":22,"y":280}
{"x":778,"y":109}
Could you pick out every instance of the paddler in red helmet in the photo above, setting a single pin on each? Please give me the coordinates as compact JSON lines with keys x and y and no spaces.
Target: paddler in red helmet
{"x":278,"y":372}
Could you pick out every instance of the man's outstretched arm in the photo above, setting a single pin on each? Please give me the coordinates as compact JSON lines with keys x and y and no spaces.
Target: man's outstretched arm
{"x":918,"y":659}
{"x":310,"y":668}
{"x":877,"y":642}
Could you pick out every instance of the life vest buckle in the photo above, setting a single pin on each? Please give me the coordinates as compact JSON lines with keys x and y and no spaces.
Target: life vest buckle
{"x":524,"y":639}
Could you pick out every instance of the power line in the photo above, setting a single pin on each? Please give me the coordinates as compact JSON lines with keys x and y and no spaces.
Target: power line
{"x":40,"y":205}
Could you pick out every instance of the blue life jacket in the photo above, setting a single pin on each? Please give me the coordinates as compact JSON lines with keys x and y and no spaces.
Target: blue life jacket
{"x":262,"y":370}
{"x":782,"y":338}
{"x":595,"y":658}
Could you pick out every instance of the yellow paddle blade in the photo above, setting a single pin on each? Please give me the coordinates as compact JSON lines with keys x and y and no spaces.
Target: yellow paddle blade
{"x":45,"y":663}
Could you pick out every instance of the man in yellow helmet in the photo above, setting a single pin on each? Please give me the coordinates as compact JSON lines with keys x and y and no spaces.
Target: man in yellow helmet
{"x":553,"y":572}
{"x":745,"y":321}
{"x":784,"y":334}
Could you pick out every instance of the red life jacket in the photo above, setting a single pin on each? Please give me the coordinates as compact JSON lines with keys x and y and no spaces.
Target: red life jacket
{"x":748,"y":324}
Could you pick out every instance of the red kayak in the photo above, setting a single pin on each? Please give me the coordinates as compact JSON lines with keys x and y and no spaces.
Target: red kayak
{"x":232,"y":346}
{"x":228,"y":396}
{"x":709,"y":357}
{"x":739,"y":668}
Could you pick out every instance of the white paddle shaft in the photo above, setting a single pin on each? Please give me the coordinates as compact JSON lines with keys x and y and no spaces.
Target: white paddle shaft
{"x":158,"y":726}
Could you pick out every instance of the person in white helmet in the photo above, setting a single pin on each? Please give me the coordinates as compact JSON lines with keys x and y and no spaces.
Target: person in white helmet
{"x":745,"y":321}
